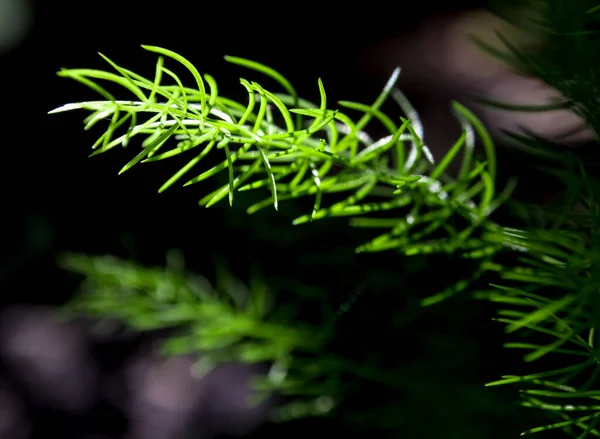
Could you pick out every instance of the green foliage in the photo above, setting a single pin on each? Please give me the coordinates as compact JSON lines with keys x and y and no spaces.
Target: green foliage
{"x":550,"y":298}
{"x":329,"y":156}
{"x":226,"y":322}
{"x":568,"y":35}
{"x":545,"y":268}
{"x":321,"y":155}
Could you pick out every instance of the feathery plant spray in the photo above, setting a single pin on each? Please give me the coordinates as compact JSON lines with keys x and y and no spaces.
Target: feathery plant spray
{"x":546,"y":267}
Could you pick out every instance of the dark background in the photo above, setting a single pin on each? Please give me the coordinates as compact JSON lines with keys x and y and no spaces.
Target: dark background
{"x":55,"y":199}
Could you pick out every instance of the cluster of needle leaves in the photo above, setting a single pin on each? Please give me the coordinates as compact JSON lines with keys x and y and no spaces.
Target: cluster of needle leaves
{"x":319,"y":152}
{"x":547,"y":268}
{"x":549,"y":297}
{"x":224,"y":322}
{"x":391,"y":183}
